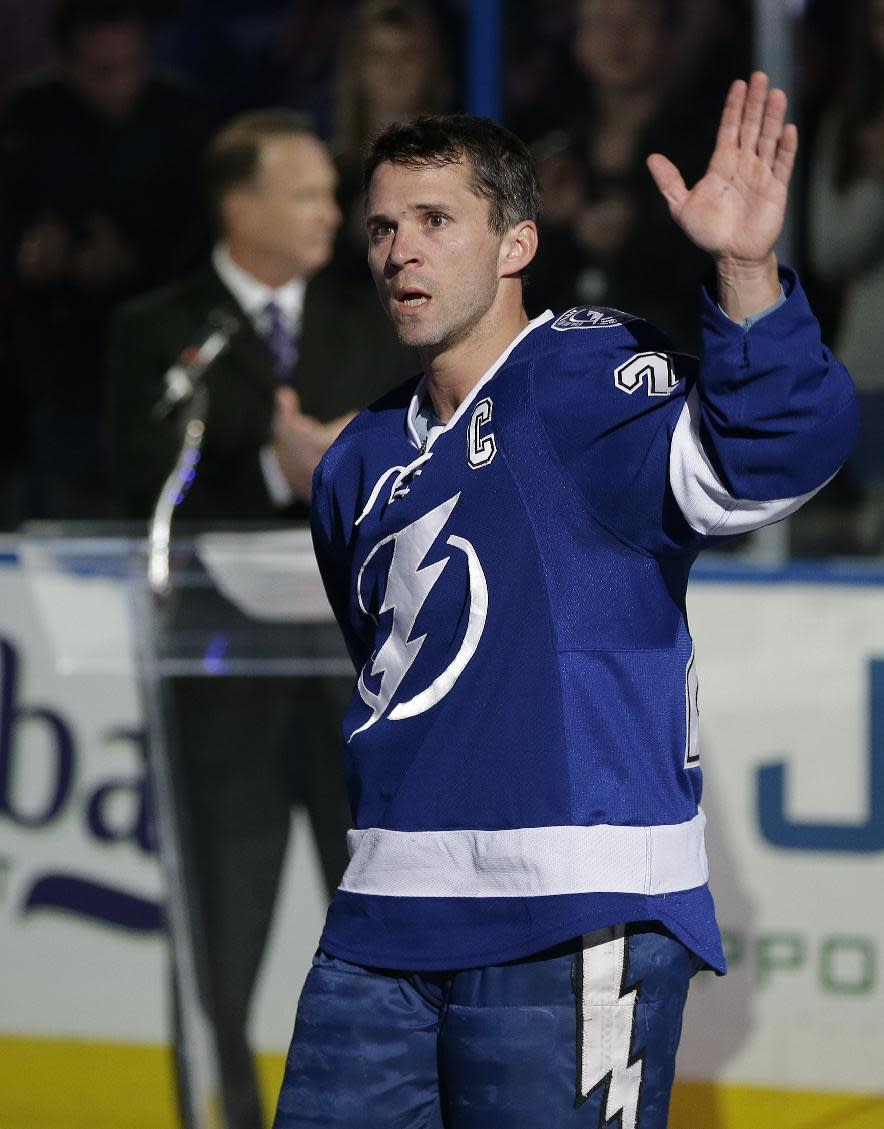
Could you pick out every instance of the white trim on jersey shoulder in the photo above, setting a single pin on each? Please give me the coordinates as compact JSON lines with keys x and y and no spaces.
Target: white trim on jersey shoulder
{"x":701,"y":495}
{"x":527,"y":862}
{"x":420,"y":392}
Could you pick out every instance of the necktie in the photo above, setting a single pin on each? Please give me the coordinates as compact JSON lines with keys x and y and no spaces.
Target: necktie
{"x":282,"y":344}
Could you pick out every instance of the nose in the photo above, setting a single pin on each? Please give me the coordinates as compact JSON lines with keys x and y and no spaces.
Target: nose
{"x":404,"y":248}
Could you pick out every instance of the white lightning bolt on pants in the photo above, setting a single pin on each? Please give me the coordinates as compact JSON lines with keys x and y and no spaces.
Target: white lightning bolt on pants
{"x":497,"y":1047}
{"x":605,"y":1029}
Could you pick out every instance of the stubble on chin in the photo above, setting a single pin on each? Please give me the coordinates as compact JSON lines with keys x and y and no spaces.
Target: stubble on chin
{"x":417,"y":337}
{"x":413,"y":334}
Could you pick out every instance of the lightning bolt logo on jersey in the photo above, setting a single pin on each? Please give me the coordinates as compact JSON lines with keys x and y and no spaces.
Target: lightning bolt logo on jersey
{"x":406,"y":586}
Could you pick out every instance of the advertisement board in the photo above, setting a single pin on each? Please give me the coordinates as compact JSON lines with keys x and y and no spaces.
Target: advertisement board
{"x":791,"y":701}
{"x":791,"y":669}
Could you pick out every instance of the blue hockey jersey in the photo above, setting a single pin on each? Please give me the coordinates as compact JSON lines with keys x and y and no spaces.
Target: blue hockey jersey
{"x":521,"y":742}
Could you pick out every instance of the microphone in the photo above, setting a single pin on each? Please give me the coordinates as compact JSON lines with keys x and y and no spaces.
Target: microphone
{"x":188,"y":370}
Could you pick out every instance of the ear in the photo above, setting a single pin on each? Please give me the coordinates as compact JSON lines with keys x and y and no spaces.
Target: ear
{"x":518,"y":248}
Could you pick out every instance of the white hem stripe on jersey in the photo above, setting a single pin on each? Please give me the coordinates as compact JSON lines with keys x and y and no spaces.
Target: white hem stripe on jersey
{"x":527,"y":862}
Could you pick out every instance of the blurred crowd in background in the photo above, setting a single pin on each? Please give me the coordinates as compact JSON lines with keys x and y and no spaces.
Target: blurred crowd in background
{"x":108,"y":107}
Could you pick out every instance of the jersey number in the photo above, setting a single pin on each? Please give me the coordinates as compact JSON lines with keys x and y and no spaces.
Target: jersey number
{"x":656,"y":368}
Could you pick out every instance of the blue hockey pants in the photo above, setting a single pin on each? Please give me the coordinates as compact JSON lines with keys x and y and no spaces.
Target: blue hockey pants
{"x":571,"y":1038}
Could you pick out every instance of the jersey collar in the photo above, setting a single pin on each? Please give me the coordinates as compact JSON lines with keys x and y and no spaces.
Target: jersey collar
{"x":417,"y":434}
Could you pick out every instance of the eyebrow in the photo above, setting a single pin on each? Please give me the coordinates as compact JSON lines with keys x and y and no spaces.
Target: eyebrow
{"x":380,"y":217}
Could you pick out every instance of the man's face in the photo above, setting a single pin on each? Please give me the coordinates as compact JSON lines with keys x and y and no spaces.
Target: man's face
{"x":288,"y":214}
{"x":433,"y":257}
{"x":619,"y":42}
{"x":396,"y":70}
{"x":107,"y":66}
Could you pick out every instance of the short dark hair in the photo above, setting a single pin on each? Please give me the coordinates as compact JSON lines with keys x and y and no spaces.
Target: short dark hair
{"x":234,"y":153}
{"x":503,"y":170}
{"x":71,"y":17}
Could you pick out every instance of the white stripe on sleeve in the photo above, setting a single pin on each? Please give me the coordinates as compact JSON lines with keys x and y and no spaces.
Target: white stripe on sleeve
{"x":701,"y":495}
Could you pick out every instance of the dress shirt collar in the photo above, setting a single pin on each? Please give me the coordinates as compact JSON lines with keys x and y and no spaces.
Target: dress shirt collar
{"x":254,"y":296}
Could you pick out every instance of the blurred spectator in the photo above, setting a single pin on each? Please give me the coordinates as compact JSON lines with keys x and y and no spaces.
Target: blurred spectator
{"x":392,"y":65}
{"x":99,"y":200}
{"x":24,"y":38}
{"x":823,"y":65}
{"x":607,"y":236}
{"x":820,"y":72}
{"x":299,"y":68}
{"x":708,"y":43}
{"x":227,"y":46}
{"x":250,"y":748}
{"x":710,"y":46}
{"x":824,"y":46}
{"x":846,"y":212}
{"x":536,"y":57}
{"x":846,"y":246}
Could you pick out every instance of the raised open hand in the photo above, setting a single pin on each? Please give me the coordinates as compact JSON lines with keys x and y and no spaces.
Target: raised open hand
{"x":736,"y":211}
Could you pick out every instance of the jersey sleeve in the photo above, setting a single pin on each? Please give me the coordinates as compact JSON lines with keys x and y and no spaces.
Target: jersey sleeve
{"x":669,"y":452}
{"x":771,"y":420}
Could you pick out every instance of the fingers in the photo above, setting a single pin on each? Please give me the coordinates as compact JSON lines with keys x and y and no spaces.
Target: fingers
{"x":784,"y":160}
{"x":753,"y":111}
{"x":732,"y":115}
{"x":772,"y":126}
{"x":753,"y":120}
{"x":287,"y":402}
{"x":668,"y":179}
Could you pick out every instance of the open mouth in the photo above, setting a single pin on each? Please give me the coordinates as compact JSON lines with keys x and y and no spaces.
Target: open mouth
{"x":412,"y":299}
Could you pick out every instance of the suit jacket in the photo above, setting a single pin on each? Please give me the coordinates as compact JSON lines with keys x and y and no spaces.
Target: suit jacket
{"x":348,"y":357}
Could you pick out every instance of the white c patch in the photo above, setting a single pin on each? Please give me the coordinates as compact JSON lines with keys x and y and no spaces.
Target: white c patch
{"x":481,"y":449}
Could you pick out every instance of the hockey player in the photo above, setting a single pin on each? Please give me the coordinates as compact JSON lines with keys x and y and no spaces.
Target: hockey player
{"x":506,"y":544}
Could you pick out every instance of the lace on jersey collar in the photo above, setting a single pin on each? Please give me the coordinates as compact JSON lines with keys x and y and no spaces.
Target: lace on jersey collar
{"x":424,"y":427}
{"x":421,"y":407}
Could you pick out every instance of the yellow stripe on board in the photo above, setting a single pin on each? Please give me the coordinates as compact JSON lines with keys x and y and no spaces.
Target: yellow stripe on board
{"x":270,"y":1071}
{"x":69,"y":1084}
{"x":66,"y":1084}
{"x":702,"y":1105}
{"x":55,"y":1084}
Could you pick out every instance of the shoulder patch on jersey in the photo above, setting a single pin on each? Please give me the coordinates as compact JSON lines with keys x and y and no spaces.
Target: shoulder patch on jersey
{"x":591,"y":317}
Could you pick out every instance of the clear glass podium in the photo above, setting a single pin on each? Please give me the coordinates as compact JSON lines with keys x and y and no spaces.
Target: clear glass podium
{"x":239,"y":603}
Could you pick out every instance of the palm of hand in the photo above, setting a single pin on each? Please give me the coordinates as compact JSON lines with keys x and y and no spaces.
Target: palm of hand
{"x":737,"y":209}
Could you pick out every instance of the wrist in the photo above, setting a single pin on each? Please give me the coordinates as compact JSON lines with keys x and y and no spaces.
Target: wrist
{"x":746,"y":287}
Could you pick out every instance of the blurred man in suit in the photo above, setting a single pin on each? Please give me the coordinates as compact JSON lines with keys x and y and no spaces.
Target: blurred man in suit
{"x":309,"y":348}
{"x":305,"y":351}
